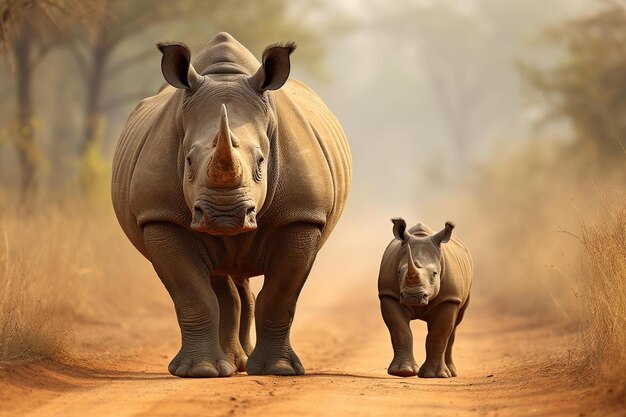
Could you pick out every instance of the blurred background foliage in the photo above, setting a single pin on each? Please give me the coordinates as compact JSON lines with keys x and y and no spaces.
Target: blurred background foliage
{"x":587,"y":86}
{"x":441,"y":80}
{"x":75,"y":69}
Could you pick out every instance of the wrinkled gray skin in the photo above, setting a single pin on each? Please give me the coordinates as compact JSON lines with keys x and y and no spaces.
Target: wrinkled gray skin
{"x":229,"y":172}
{"x":426,"y":276}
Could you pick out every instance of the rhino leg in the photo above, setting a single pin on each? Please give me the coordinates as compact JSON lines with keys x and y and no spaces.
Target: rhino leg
{"x":449,"y":361}
{"x":230,"y":311}
{"x":247,"y":315}
{"x":181,"y":262}
{"x":440,"y":328}
{"x":397,"y":320}
{"x":275,"y":307}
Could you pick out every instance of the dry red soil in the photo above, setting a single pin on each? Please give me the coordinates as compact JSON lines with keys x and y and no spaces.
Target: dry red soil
{"x":508,"y":366}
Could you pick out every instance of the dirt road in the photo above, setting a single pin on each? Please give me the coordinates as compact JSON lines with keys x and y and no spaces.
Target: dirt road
{"x":507,"y":366}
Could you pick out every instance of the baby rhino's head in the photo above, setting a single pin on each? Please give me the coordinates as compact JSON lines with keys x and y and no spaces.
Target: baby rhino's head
{"x":419,"y":263}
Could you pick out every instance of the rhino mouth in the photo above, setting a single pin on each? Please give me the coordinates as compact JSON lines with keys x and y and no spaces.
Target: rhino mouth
{"x":224,"y":220}
{"x":419,"y":299}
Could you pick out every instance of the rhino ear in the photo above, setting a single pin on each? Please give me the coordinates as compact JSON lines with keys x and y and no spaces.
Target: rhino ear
{"x":176,"y":65}
{"x":274,"y":71}
{"x":399,"y":229}
{"x":444,"y":235}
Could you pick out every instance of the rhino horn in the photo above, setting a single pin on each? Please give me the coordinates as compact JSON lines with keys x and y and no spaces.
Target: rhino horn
{"x":413,"y":265}
{"x":224,"y":168}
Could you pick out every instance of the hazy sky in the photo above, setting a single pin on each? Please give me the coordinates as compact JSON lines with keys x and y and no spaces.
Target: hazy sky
{"x":382,"y":88}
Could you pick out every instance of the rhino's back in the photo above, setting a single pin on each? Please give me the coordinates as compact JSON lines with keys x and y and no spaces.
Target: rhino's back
{"x":456,"y":279}
{"x":225,"y":55}
{"x":314,"y":157}
{"x":146,"y":118}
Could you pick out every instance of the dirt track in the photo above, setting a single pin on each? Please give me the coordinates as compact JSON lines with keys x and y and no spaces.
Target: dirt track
{"x":506,"y":367}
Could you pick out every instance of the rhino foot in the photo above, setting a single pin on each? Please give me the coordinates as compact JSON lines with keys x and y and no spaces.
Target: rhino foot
{"x":241,"y":361}
{"x":285,"y":365}
{"x":438,"y":371}
{"x":197,"y":366}
{"x":238,"y":357}
{"x":452,"y":369}
{"x":403,"y":367}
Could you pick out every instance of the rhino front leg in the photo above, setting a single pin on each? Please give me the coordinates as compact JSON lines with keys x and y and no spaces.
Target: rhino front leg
{"x":293,"y":256}
{"x":181,"y":262}
{"x":440,"y":328}
{"x":230,"y":311}
{"x":398,"y":322}
{"x":247,"y":315}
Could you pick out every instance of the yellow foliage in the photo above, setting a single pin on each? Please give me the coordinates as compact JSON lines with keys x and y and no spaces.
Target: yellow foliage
{"x":94,"y":171}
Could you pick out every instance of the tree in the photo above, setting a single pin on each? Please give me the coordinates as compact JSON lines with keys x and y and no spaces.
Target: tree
{"x":29,"y":29}
{"x":465,"y":52}
{"x":97,"y":58}
{"x":107,"y":54}
{"x":587,"y":86}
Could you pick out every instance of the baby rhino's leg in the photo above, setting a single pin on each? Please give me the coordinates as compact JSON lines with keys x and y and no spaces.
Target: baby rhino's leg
{"x":397,"y":320}
{"x":440,"y":330}
{"x":449,"y":361}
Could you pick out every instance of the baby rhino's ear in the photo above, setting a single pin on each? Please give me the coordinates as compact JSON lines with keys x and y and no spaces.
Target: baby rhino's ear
{"x":399,"y":229}
{"x":444,"y":235}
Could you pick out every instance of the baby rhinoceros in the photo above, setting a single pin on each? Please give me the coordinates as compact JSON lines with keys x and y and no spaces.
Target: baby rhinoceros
{"x":427,"y":276}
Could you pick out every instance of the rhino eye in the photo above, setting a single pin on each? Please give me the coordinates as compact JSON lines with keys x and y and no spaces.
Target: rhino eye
{"x":190,"y":173}
{"x":258,"y":173}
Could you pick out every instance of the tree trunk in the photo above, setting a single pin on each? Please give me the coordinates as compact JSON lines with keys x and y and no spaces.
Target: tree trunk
{"x":25,"y":145}
{"x":455,"y":107}
{"x":95,"y":81}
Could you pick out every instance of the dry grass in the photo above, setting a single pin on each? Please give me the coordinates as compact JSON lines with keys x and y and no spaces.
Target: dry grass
{"x":543,"y":246}
{"x":603,"y":295}
{"x":36,"y":285}
{"x":68,"y":264}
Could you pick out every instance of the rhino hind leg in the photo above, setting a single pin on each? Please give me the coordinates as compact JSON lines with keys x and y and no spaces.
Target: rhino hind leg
{"x":449,"y":361}
{"x":294,"y":253}
{"x":230,"y":307}
{"x":247,"y":315}
{"x":182,"y":264}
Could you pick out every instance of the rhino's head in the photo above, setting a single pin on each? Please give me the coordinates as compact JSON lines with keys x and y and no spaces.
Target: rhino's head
{"x":227,"y":121}
{"x":419,"y":264}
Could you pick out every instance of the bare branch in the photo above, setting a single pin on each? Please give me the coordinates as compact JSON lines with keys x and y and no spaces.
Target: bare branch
{"x":130,"y":61}
{"x":124,"y":99}
{"x":80,"y":59}
{"x":42,"y":52}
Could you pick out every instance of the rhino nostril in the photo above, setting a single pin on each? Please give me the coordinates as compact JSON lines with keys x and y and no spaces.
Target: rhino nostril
{"x":250,"y":210}
{"x":198,"y":213}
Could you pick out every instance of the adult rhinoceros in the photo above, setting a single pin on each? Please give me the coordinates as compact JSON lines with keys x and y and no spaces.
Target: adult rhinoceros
{"x":229,"y":172}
